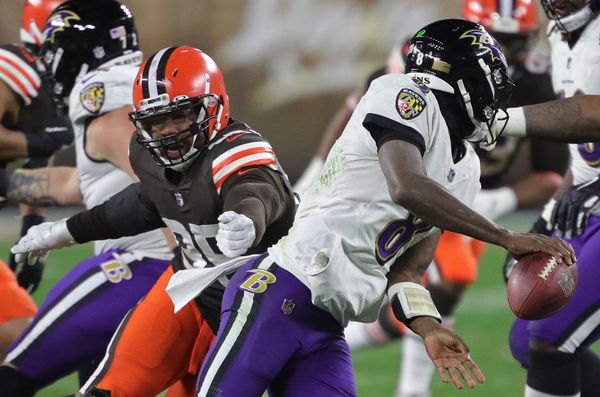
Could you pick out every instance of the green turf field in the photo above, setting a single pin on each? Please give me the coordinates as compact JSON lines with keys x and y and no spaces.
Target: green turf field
{"x":483,"y":320}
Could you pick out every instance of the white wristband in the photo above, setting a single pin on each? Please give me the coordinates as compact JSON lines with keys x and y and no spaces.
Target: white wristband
{"x":60,"y":233}
{"x":411,"y":300}
{"x":516,"y":125}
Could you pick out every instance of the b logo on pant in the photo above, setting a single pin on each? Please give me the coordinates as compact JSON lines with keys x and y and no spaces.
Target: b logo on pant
{"x":259,"y":281}
{"x":116,"y":271}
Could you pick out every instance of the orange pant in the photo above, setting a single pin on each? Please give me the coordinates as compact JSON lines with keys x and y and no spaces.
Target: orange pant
{"x":156,"y":348}
{"x":15,"y":302}
{"x":457,"y":258}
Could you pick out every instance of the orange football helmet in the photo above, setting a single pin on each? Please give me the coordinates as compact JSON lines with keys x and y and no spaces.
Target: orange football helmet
{"x":35,"y":14}
{"x":173,"y":80}
{"x":497,"y":16}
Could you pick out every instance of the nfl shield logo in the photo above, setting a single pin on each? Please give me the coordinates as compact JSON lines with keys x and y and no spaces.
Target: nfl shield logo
{"x":288,"y":306}
{"x":179,"y":199}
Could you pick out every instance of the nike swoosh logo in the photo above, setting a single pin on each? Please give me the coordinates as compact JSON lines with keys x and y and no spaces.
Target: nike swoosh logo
{"x":245,"y":171}
{"x":233,"y":138}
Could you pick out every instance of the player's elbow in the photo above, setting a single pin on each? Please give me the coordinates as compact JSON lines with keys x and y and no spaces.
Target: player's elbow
{"x":401,"y":194}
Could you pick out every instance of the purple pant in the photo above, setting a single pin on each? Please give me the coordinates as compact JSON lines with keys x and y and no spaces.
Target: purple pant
{"x":272,"y":336}
{"x":577,"y":324}
{"x":81,"y":313}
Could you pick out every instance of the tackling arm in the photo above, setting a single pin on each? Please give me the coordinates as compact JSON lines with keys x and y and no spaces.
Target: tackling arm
{"x":574,"y":120}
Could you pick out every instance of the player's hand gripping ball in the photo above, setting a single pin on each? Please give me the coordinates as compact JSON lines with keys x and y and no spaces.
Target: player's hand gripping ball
{"x":538,"y":286}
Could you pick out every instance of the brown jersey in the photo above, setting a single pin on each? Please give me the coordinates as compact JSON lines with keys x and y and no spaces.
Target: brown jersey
{"x":189,"y":203}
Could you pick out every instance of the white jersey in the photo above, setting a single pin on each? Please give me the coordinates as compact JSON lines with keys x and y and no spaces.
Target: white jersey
{"x":575,"y":72}
{"x":348,"y":231}
{"x":98,"y":92}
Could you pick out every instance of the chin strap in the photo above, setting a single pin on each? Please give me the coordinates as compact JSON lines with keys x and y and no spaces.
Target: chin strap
{"x":480,"y":130}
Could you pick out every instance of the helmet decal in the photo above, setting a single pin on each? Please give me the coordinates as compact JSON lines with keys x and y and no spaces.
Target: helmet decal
{"x":484,"y":41}
{"x":57,"y":23}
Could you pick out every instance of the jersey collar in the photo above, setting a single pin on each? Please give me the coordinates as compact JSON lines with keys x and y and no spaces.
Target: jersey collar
{"x":433,"y":82}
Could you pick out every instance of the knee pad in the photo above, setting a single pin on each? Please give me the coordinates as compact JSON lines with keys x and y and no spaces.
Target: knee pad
{"x":14,"y":383}
{"x":554,"y":373}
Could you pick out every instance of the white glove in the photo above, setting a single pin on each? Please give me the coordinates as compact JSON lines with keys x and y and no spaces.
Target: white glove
{"x":236,"y":234}
{"x":41,"y":239}
{"x":493,"y":203}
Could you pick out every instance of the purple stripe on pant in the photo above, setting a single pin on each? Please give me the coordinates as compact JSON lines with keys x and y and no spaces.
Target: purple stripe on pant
{"x":275,"y":338}
{"x":80,"y":314}
{"x":578,"y":323}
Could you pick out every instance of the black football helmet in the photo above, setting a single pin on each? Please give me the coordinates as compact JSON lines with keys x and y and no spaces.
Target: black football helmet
{"x":571,"y":15}
{"x":470,"y":60}
{"x":79,"y":36}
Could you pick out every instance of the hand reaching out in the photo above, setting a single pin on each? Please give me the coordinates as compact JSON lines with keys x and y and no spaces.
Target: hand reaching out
{"x":451,"y":358}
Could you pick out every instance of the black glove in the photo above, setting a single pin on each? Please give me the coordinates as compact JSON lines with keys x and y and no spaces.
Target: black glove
{"x":571,"y":213}
{"x":30,"y":275}
{"x":50,"y":139}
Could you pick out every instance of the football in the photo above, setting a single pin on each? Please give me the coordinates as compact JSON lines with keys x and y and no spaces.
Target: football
{"x":538,"y":286}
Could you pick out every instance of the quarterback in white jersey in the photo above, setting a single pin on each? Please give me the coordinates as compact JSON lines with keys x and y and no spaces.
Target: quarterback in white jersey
{"x":399,"y":173}
{"x":81,"y":313}
{"x":348,"y":229}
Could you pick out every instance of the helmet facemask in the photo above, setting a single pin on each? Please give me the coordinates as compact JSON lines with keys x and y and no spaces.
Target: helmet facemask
{"x":571,"y":15}
{"x":484,"y":96}
{"x":176,"y":132}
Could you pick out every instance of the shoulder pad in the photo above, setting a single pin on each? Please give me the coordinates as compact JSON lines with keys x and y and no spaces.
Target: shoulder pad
{"x":102,"y":91}
{"x":19,"y":70}
{"x":239,"y":149}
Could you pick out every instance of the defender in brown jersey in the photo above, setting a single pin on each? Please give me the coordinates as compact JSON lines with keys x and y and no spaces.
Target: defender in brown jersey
{"x":214,"y":182}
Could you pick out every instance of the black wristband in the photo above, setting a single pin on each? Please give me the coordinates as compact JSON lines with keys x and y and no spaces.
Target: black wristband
{"x":30,"y":220}
{"x":39,"y":144}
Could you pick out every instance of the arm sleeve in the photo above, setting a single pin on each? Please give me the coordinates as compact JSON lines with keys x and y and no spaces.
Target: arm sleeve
{"x":127,"y":213}
{"x":261,"y":194}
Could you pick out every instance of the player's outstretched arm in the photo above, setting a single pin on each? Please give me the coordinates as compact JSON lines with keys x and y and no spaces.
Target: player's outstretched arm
{"x":45,"y":187}
{"x":412,"y":304}
{"x":574,"y":120}
{"x":126,"y":213}
{"x":410,"y":187}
